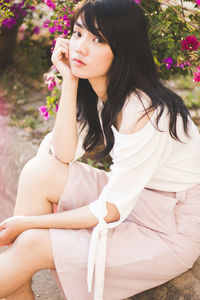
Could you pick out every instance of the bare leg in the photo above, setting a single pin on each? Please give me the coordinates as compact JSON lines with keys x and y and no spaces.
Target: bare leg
{"x":41,"y":183}
{"x":33,"y":251}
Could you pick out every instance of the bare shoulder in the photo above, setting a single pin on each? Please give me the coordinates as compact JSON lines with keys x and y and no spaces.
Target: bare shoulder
{"x":133,"y":114}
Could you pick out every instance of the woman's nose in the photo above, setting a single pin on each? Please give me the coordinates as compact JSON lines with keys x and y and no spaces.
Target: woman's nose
{"x":82,"y":47}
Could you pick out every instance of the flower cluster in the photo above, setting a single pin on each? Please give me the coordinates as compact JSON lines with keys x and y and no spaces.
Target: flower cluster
{"x":51,"y":83}
{"x":197,"y":76}
{"x":50,"y":4}
{"x":61,"y":25}
{"x":190,"y":43}
{"x":137,"y":1}
{"x":44,"y":112}
{"x":58,"y":25}
{"x":19,"y":11}
{"x":168,"y":62}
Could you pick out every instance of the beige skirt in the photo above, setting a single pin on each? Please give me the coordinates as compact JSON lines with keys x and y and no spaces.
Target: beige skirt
{"x":158,"y":241}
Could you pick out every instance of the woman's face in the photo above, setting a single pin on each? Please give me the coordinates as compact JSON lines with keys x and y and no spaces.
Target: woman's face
{"x":89,"y":56}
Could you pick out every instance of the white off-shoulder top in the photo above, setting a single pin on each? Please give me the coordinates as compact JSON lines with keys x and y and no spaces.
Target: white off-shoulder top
{"x":148,"y":158}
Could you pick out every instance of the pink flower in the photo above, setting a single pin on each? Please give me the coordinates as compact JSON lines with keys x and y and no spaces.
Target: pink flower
{"x":65,"y":18}
{"x":52,"y":29}
{"x":36,"y":30}
{"x":65,"y":31}
{"x":44,"y":112}
{"x":50,"y":4}
{"x":184,"y":64}
{"x":22,"y":28}
{"x":59,"y":27}
{"x":168,"y":62}
{"x":56,"y":109}
{"x":51,"y":84}
{"x":45,"y":24}
{"x":53,"y":43}
{"x":198,"y":2}
{"x":137,"y":1}
{"x":190,"y":43}
{"x":197,"y":75}
{"x":9,"y":23}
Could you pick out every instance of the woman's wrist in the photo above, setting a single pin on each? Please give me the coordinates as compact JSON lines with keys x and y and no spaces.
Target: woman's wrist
{"x":70,"y":81}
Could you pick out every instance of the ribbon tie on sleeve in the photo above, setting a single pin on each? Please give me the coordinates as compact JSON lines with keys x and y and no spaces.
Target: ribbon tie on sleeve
{"x":97,"y":259}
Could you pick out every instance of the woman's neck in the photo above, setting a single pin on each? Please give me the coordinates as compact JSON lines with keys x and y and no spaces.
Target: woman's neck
{"x":99,"y":86}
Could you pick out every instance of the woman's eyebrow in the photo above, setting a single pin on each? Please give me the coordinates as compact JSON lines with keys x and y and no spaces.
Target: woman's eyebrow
{"x":78,"y":24}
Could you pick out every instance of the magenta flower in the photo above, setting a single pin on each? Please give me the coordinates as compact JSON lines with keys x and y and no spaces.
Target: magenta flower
{"x":50,"y":4}
{"x":198,"y":2}
{"x":65,"y":18}
{"x":19,"y":10}
{"x":65,"y":31}
{"x":36,"y":30}
{"x":59,"y":27}
{"x":56,"y":109}
{"x":51,"y":84}
{"x":9,"y":23}
{"x":184,"y":64}
{"x":45,"y":24}
{"x":44,"y":112}
{"x":197,"y":75}
{"x":137,"y":1}
{"x":190,"y":43}
{"x":52,"y":29}
{"x":168,"y":62}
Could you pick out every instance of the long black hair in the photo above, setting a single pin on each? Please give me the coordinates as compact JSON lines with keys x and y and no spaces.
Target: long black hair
{"x":122,"y":24}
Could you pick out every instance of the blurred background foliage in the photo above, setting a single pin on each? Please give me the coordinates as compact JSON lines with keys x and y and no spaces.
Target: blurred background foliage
{"x":29,"y":29}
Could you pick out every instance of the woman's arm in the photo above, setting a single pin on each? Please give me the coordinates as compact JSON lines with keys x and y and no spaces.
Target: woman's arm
{"x":65,"y":135}
{"x":71,"y":219}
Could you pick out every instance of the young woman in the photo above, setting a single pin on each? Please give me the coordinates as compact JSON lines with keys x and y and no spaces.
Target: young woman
{"x":136,"y":226}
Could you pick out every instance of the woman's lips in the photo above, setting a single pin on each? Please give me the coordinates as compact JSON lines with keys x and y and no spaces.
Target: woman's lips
{"x":78,"y":61}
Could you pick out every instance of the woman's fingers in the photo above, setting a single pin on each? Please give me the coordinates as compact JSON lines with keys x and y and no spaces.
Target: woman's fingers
{"x":2,"y":225}
{"x":60,"y":42}
{"x":3,"y":239}
{"x":57,"y":55}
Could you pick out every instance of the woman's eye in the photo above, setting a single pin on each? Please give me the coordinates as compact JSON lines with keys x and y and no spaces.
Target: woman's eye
{"x":99,"y":40}
{"x":77,"y":33}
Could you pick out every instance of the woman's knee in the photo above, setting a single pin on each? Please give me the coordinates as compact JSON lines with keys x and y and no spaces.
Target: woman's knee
{"x":45,"y":171}
{"x":44,"y":174}
{"x":34,"y":246}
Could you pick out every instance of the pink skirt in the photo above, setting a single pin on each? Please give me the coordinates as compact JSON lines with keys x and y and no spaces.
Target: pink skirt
{"x":158,"y":241}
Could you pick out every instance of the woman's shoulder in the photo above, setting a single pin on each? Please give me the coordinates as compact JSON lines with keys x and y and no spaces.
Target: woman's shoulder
{"x":135,"y":113}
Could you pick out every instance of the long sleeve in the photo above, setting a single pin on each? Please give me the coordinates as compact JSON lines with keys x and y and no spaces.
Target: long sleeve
{"x":135,"y":158}
{"x":46,"y":146}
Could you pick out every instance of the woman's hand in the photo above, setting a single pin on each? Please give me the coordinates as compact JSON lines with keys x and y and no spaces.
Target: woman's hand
{"x":60,"y":58}
{"x":11,"y":228}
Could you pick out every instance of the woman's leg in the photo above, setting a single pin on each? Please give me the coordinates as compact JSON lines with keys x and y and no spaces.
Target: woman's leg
{"x":30,"y":253}
{"x":41,"y":183}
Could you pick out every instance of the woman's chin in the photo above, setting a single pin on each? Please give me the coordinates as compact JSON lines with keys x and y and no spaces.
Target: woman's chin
{"x":79,"y":74}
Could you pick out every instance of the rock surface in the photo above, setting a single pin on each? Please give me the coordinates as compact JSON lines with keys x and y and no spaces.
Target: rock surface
{"x":184,"y":287}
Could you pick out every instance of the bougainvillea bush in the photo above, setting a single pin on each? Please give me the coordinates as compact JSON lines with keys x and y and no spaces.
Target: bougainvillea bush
{"x":174,"y":32}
